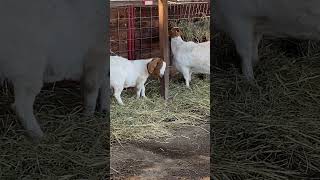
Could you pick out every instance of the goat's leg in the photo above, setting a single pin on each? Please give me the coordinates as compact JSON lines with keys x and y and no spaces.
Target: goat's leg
{"x":102,"y":98}
{"x":143,"y":92}
{"x":255,"y":48}
{"x":139,"y":89}
{"x":90,"y":95}
{"x":25,"y":92}
{"x":186,"y":74}
{"x":190,"y":76}
{"x":117,"y":95}
{"x":104,"y":95}
{"x":94,"y":79}
{"x":242,"y":34}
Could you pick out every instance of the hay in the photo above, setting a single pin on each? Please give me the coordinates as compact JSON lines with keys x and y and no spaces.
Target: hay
{"x":75,"y":147}
{"x":142,"y":119}
{"x":269,"y":130}
{"x":196,"y":29}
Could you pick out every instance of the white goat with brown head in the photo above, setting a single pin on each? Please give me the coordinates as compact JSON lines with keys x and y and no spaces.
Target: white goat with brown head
{"x":126,"y":73}
{"x":189,"y":57}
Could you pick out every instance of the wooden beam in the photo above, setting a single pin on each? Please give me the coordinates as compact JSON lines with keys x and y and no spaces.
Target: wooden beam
{"x":138,"y":3}
{"x":164,"y":45}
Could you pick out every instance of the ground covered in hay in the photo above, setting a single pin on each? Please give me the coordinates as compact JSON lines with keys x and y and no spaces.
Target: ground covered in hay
{"x":152,"y":138}
{"x":269,"y":130}
{"x":150,"y":118}
{"x":75,"y":147}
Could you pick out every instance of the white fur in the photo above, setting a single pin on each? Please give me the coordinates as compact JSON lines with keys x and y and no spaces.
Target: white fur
{"x":47,"y":41}
{"x":190,"y":57}
{"x":126,"y":73}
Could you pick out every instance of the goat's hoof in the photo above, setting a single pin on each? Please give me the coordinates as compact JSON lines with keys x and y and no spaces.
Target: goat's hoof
{"x":249,"y":79}
{"x":36,"y":135}
{"x":103,"y":110}
{"x":88,"y":112}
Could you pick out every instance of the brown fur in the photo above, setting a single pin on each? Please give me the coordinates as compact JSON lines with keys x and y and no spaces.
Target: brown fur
{"x":173,"y":71}
{"x":154,"y":67}
{"x":175,"y":32}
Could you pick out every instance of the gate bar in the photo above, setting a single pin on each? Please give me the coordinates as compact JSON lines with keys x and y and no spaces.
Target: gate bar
{"x":164,"y":45}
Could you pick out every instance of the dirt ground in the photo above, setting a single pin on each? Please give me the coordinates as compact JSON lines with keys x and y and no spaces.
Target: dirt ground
{"x":186,"y":155}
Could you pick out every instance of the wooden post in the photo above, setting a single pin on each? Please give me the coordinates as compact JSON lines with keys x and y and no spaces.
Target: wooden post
{"x":164,"y":45}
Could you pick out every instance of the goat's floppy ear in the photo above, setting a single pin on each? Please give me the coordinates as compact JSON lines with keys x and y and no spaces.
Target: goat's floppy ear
{"x":171,"y":32}
{"x":152,"y":65}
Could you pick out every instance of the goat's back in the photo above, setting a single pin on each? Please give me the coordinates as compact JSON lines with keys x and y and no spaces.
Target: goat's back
{"x":49,"y":36}
{"x":275,"y":17}
{"x":195,"y":56}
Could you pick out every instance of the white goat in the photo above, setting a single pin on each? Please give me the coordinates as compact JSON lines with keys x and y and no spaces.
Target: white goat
{"x":126,"y":73}
{"x":189,"y":57}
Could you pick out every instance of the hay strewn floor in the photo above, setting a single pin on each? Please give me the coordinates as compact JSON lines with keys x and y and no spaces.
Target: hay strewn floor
{"x":270,"y":130}
{"x":76,"y":147}
{"x":142,"y":119}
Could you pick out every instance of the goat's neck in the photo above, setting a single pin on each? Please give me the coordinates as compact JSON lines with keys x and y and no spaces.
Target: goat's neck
{"x":141,"y":66}
{"x":176,"y":41}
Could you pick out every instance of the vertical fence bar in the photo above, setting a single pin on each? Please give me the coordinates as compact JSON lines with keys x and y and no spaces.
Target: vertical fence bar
{"x":131,"y":32}
{"x":164,"y":44}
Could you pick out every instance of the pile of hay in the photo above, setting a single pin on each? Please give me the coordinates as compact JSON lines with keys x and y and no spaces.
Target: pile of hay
{"x":150,"y":118}
{"x":75,"y":147}
{"x":269,"y":130}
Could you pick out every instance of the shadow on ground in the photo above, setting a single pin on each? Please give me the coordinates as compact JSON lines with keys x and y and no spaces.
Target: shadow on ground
{"x":182,"y":156}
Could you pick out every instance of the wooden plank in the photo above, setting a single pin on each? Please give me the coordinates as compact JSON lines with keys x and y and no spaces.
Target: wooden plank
{"x":164,"y":45}
{"x":117,"y":3}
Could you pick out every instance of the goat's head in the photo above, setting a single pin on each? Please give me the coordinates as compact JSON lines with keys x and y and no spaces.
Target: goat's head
{"x":156,"y":67}
{"x":175,"y":32}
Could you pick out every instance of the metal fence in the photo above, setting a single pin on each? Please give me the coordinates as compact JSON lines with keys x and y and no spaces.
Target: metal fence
{"x":134,"y":28}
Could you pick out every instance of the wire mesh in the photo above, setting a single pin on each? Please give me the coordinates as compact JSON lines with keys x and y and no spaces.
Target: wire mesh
{"x":135,"y":28}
